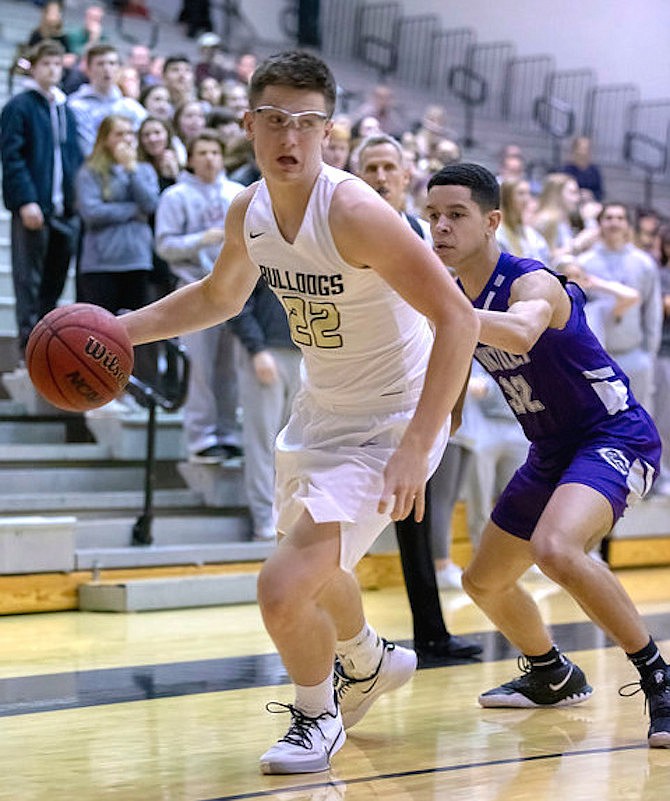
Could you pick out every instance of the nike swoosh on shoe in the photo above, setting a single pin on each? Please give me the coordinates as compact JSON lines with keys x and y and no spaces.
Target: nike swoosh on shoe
{"x":561,"y":684}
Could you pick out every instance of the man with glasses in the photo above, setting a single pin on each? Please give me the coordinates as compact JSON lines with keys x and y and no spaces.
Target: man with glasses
{"x":370,"y":421}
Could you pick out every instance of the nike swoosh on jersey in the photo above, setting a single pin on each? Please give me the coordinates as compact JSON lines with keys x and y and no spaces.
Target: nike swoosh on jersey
{"x":561,"y":684}
{"x":254,"y":234}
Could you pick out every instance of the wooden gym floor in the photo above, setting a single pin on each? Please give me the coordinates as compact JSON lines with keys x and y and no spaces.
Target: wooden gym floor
{"x":169,"y":706}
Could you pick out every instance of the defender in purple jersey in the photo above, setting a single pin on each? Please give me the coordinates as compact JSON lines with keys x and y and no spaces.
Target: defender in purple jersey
{"x":593,"y":452}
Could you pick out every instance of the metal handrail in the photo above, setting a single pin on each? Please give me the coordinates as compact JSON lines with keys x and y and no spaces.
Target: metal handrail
{"x":472,"y":90}
{"x":149,"y":396}
{"x":637,"y":147}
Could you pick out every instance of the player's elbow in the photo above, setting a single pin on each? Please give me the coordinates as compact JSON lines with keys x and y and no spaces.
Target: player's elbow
{"x":468,"y":327}
{"x":525,"y":342}
{"x":226,"y":303}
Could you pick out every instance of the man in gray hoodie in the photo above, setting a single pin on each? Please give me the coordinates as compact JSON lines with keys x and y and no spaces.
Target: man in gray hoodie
{"x":189,"y":234}
{"x":40,"y":158}
{"x":631,"y":336}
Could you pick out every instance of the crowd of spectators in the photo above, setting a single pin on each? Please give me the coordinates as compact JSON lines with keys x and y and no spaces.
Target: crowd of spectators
{"x":144,"y":152}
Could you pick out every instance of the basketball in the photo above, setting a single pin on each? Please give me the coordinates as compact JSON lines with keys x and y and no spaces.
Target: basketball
{"x":79,"y":357}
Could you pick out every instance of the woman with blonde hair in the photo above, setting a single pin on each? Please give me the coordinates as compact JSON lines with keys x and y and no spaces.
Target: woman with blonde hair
{"x":514,"y":235}
{"x":116,"y":195}
{"x":559,"y":203}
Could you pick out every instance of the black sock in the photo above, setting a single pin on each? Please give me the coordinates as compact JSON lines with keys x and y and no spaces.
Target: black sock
{"x":647,"y":660}
{"x":549,"y":661}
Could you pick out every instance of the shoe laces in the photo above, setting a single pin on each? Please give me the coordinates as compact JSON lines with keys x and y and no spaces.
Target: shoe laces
{"x":652,"y":686}
{"x":299,"y":732}
{"x":344,"y":683}
{"x":524,"y":664}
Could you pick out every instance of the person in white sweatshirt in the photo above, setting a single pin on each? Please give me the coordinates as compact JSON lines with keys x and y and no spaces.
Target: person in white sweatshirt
{"x":189,"y":234}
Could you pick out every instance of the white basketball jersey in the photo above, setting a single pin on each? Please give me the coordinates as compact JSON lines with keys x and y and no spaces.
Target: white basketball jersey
{"x":365,"y":349}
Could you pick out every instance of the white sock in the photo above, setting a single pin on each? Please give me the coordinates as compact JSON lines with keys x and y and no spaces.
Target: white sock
{"x":317,"y":699}
{"x":361,"y":655}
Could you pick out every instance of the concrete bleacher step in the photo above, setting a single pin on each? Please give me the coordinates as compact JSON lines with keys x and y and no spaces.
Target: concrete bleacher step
{"x":125,"y":435}
{"x":155,"y":556}
{"x":39,"y":432}
{"x":169,"y":528}
{"x":137,"y":595}
{"x":102,"y":501}
{"x":178,"y":539}
{"x":35,"y":544}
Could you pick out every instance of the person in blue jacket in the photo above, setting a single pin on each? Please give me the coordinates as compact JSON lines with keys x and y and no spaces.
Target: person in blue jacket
{"x":40,"y":159}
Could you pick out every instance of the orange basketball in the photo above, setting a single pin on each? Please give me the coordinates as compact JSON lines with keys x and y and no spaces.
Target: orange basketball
{"x":79,"y":357}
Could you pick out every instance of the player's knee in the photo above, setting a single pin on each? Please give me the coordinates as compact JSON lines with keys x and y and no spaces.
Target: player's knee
{"x":553,"y":558}
{"x":275,"y":596}
{"x":473,"y":585}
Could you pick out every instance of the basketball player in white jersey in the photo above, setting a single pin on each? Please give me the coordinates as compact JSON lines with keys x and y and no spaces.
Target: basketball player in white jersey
{"x":370,"y":421}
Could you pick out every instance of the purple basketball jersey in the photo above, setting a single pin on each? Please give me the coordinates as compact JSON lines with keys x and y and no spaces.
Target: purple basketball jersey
{"x":567,"y":385}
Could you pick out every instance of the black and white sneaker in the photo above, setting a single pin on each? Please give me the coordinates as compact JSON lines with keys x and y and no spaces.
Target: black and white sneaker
{"x":308,"y":744}
{"x":657,"y":694}
{"x":565,"y":685}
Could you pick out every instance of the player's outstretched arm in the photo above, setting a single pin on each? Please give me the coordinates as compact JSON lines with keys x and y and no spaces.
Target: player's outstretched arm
{"x":218,"y":297}
{"x":369,"y":233}
{"x":537,"y":302}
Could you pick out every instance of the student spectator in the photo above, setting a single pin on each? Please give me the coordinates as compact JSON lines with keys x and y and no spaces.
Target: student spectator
{"x":247,"y":172}
{"x":383,"y":106}
{"x":51,"y":27}
{"x":154,"y":146}
{"x":40,"y":159}
{"x":632,"y":337}
{"x":210,"y":92}
{"x":156,"y":100}
{"x":244,"y":67}
{"x":336,"y":148}
{"x":189,"y":120}
{"x":647,"y":226}
{"x":128,"y":82}
{"x":116,"y":195}
{"x":225,"y":123}
{"x":140,"y":58}
{"x":213,"y":62}
{"x":431,"y":130}
{"x":100,"y":98}
{"x":512,"y":168}
{"x":236,"y":98}
{"x":559,"y":200}
{"x":179,"y":78}
{"x":514,"y":235}
{"x":189,"y":233}
{"x":91,"y":33}
{"x":581,"y":167}
{"x":268,"y":365}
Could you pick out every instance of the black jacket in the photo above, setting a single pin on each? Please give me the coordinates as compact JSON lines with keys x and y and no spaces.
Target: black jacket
{"x":27,"y":146}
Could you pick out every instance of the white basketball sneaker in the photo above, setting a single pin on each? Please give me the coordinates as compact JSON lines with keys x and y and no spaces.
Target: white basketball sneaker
{"x":356,"y":696}
{"x":308,"y":744}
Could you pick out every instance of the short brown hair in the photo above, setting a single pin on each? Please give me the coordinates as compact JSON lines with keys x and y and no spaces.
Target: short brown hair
{"x":297,"y":70}
{"x":206,"y":135}
{"x":47,"y":47}
{"x":99,"y":50}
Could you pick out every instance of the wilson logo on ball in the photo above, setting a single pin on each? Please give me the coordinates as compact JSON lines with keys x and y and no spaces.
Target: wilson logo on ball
{"x":110,"y":361}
